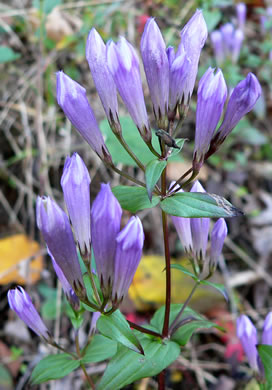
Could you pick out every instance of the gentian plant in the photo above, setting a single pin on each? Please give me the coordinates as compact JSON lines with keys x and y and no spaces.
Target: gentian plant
{"x":94,"y":255}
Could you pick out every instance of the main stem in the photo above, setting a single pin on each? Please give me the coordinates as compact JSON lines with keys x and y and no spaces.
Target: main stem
{"x":168,"y":275}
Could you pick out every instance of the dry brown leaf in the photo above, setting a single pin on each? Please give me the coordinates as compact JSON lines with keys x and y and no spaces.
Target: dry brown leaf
{"x":20,"y":260}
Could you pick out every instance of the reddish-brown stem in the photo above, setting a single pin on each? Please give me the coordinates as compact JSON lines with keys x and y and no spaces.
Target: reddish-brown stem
{"x":144,"y":330}
{"x":161,"y":381}
{"x":168,"y":276}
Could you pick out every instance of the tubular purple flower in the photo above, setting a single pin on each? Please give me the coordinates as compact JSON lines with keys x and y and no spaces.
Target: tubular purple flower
{"x":67,"y":289}
{"x":211,"y":96}
{"x":183,"y":228}
{"x":218,"y":236}
{"x":227,"y":31}
{"x":179,"y":71}
{"x":75,"y":182}
{"x":105,"y":221}
{"x":199,"y":229}
{"x":72,"y":99}
{"x":241,"y":11}
{"x":193,"y":37}
{"x":129,"y":246}
{"x":218,"y":46}
{"x":242,"y":100}
{"x":104,"y":83}
{"x":21,"y":303}
{"x":94,"y":320}
{"x":238,"y":38}
{"x":247,"y":334}
{"x":57,"y":233}
{"x":156,"y":67}
{"x":267,"y":330}
{"x":123,"y":64}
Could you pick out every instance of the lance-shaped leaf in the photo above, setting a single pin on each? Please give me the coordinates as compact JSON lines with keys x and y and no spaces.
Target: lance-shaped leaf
{"x":153,"y":172}
{"x":198,"y":205}
{"x":134,"y":199}
{"x":127,"y":366}
{"x":218,"y":286}
{"x":117,"y":328}
{"x":53,"y":367}
{"x":100,"y":348}
{"x":184,"y":333}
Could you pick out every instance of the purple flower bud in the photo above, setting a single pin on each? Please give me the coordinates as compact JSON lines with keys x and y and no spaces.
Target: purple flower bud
{"x":242,"y":100}
{"x":247,"y":334}
{"x":199,"y":229}
{"x":129,"y":246}
{"x":68,"y":291}
{"x":227,"y":31}
{"x":75,"y":182}
{"x":238,"y":38}
{"x":96,"y":57}
{"x":193,"y":37}
{"x":73,"y":100}
{"x":211,"y":96}
{"x":57,"y":233}
{"x":218,"y":236}
{"x":267,"y":330}
{"x":241,"y":10}
{"x":179,"y":70}
{"x":218,"y":46}
{"x":183,"y":228}
{"x":105,"y":220}
{"x":156,"y":67}
{"x":124,"y":66}
{"x":20,"y":302}
{"x":94,"y":320}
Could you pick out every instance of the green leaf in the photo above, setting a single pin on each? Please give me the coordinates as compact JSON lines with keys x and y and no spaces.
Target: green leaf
{"x":134,"y":199}
{"x":75,"y":317}
{"x":184,"y":333}
{"x":116,"y":327}
{"x":127,"y":366}
{"x":219,"y":287}
{"x":53,"y":367}
{"x":265,"y":352}
{"x":197,"y":205}
{"x":7,"y":54}
{"x":152,"y":174}
{"x":184,"y":270}
{"x":99,"y":349}
{"x":134,"y":141}
{"x":49,"y":309}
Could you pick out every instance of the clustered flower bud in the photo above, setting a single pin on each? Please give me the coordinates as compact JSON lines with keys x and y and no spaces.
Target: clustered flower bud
{"x":247,"y":334}
{"x":194,"y":234}
{"x":227,"y":43}
{"x":170,"y":77}
{"x":117,"y":251}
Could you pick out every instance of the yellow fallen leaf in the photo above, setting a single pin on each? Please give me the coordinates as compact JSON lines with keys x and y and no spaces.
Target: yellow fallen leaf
{"x":147,"y":290}
{"x":20,"y":260}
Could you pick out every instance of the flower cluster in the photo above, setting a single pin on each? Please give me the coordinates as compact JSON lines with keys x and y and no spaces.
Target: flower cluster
{"x":247,"y":334}
{"x":194,"y":233}
{"x":170,"y":76}
{"x":117,"y":252}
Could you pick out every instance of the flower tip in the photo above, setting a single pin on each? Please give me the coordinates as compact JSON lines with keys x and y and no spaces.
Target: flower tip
{"x":94,"y":43}
{"x":244,"y":326}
